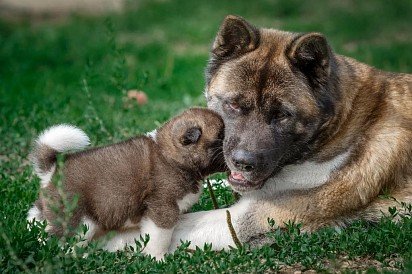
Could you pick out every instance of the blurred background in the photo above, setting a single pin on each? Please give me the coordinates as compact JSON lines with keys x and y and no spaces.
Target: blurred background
{"x":75,"y":61}
{"x":117,"y":68}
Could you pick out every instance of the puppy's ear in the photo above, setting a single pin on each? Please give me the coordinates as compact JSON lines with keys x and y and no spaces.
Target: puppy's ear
{"x":310,"y":53}
{"x":235,"y":37}
{"x":191,"y":136}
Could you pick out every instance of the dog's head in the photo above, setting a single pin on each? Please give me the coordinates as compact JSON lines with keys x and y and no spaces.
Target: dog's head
{"x":272,"y":89}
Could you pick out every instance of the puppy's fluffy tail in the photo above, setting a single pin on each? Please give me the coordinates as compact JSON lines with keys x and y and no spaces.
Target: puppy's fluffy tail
{"x":54,"y":140}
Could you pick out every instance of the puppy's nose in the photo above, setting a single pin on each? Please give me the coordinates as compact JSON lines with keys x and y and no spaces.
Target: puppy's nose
{"x":244,"y":160}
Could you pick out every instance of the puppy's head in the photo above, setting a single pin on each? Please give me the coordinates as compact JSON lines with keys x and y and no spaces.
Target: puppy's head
{"x":194,"y":140}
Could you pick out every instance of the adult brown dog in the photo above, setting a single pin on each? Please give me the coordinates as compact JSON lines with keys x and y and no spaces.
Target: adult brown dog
{"x":310,"y":136}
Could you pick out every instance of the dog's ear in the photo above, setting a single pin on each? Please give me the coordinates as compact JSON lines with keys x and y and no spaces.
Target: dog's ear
{"x":310,"y":53}
{"x":235,"y":37}
{"x":190,"y":136}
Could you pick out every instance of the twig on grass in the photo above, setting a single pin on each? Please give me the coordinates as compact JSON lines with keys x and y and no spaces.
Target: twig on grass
{"x":232,"y":230}
{"x":212,"y":194}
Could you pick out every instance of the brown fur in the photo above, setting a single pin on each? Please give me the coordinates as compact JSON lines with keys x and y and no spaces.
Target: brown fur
{"x":332,"y":103}
{"x":140,"y":176}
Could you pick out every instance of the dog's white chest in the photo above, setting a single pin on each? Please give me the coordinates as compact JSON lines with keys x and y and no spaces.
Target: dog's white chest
{"x":305,"y":175}
{"x":188,"y":201}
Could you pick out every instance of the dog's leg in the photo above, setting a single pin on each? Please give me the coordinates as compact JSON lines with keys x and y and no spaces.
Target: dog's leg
{"x":121,"y":239}
{"x":92,"y":228}
{"x":374,"y":211}
{"x":158,"y":223}
{"x":209,"y":227}
{"x":35,"y":213}
{"x":159,"y":238}
{"x":157,"y":246}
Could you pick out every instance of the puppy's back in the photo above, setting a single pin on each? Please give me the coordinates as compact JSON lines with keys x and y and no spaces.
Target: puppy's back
{"x":112,"y":180}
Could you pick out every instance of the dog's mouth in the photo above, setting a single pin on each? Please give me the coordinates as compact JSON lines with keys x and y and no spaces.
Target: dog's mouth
{"x":240,"y":183}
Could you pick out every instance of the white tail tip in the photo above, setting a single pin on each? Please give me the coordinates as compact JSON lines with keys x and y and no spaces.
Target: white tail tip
{"x":63,"y":138}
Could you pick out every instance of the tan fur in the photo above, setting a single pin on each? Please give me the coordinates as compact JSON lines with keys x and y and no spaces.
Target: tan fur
{"x":366,"y":111}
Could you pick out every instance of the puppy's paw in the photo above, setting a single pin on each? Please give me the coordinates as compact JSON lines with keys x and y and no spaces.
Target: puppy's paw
{"x":155,"y":252}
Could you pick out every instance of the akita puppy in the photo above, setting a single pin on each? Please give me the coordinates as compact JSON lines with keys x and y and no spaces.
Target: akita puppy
{"x":144,"y":182}
{"x":310,"y":136}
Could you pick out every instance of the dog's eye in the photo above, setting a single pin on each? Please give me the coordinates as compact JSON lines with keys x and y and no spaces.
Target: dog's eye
{"x":281,"y":116}
{"x":233,"y":106}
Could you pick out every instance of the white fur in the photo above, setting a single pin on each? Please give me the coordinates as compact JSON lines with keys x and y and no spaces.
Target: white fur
{"x":60,"y":138}
{"x":211,"y":226}
{"x":48,"y":228}
{"x":34,"y":214}
{"x":303,"y":176}
{"x":188,"y":201}
{"x":122,"y":239}
{"x":92,"y":228}
{"x":45,"y":177}
{"x":157,"y":246}
{"x":159,"y":238}
{"x":128,"y":224}
{"x":152,"y":134}
{"x":63,"y":138}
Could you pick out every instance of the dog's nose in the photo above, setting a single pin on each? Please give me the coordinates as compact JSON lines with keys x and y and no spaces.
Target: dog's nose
{"x":244,"y":160}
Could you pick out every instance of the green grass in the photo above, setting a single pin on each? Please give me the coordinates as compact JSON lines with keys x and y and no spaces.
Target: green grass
{"x":78,"y":71}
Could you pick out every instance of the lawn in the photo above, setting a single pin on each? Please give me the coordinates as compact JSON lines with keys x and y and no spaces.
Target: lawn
{"x":79,"y":70}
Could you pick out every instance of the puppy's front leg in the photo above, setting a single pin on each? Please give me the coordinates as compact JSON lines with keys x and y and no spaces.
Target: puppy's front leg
{"x":159,"y":223}
{"x":157,"y":246}
{"x":159,"y":238}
